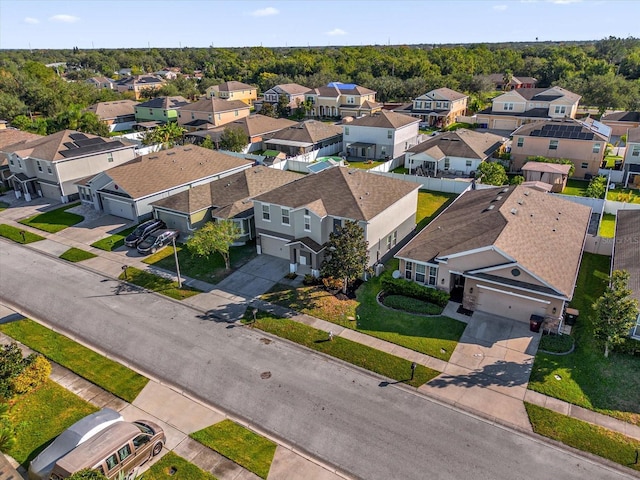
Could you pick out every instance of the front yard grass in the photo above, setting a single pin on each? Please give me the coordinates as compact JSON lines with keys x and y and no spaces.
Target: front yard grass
{"x":77,"y":255}
{"x":211,"y":270}
{"x":576,"y":188}
{"x":584,"y":436}
{"x":174,"y":467}
{"x":244,"y":447}
{"x":17,"y":235}
{"x":41,"y":415}
{"x":606,"y":385}
{"x":608,"y":225}
{"x":112,"y":376}
{"x":158,"y":284}
{"x":114,"y":241}
{"x":54,"y":220}
{"x":363,"y":356}
{"x":430,"y":204}
{"x":434,"y":336}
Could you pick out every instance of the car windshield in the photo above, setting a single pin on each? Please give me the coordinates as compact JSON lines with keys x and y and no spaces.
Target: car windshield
{"x":138,"y":231}
{"x":149,"y":240}
{"x":144,"y":428}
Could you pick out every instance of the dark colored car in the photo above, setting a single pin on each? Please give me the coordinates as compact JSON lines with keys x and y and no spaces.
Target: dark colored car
{"x":144,"y":229}
{"x":156,"y":240}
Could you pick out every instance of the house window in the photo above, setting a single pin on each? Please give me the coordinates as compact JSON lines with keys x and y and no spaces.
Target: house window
{"x":520,"y":142}
{"x":11,"y":161}
{"x":19,"y":164}
{"x":39,"y":166}
{"x":150,"y":111}
{"x":389,"y":133}
{"x":446,"y":163}
{"x":219,"y":116}
{"x":584,"y":165}
{"x":438,"y":104}
{"x":109,"y":157}
{"x":49,"y":169}
{"x":445,"y":104}
{"x":635,"y":151}
{"x":346,"y":130}
{"x":236,"y":112}
{"x":468,"y":163}
{"x":389,"y":242}
{"x":596,"y":148}
{"x":418,"y":104}
{"x":266,"y":213}
{"x":285,"y":216}
{"x":210,"y":117}
{"x":408,"y":270}
{"x":553,"y":144}
{"x":164,"y":113}
{"x":193,"y":116}
{"x":307,"y":221}
{"x":351,"y":100}
{"x":337,"y":223}
{"x":433,"y":276}
{"x":394,"y":240}
{"x":507,"y":106}
{"x":560,"y":109}
{"x":420,"y":273}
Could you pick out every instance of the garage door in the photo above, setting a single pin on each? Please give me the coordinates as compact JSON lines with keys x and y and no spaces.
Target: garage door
{"x":505,"y":304}
{"x":274,"y":246}
{"x":504,"y":124}
{"x":118,"y":208}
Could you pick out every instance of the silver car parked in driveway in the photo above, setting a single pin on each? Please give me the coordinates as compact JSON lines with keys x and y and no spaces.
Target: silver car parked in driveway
{"x":156,"y":240}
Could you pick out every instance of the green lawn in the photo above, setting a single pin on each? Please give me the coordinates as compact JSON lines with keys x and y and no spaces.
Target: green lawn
{"x":434,"y":336}
{"x":210,"y":270}
{"x":17,"y":235}
{"x":158,"y":284}
{"x":624,"y":195}
{"x":54,"y":220}
{"x":400,"y":170}
{"x":610,"y":386}
{"x":174,"y":467}
{"x":430,"y":204}
{"x":608,"y":226}
{"x":114,"y":241}
{"x":611,"y":160}
{"x":364,"y":165}
{"x":77,"y":255}
{"x":244,"y":447}
{"x":110,"y":375}
{"x":584,"y":436}
{"x":41,"y":415}
{"x":577,"y":188}
{"x":369,"y":358}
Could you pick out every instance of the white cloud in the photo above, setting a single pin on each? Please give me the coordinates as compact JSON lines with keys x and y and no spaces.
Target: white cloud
{"x":64,"y":18}
{"x":500,"y":8}
{"x":335,"y":32}
{"x":265,"y":12}
{"x":31,"y":20}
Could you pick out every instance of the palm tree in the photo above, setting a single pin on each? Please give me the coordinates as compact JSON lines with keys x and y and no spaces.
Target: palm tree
{"x":166,"y":135}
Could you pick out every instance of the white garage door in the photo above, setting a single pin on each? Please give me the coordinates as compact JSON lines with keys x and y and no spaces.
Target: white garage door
{"x":118,"y":208}
{"x":505,"y":304}
{"x":504,"y":124}
{"x":274,"y":246}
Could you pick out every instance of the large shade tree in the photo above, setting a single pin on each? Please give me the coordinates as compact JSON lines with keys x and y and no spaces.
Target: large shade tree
{"x":492,"y":173}
{"x":347,"y":254}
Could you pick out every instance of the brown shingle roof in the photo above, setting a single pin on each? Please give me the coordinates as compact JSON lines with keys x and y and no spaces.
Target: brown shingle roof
{"x":633,"y":135}
{"x":310,"y":131}
{"x":542,"y":232}
{"x":230,"y":195}
{"x":626,"y":249}
{"x":214,"y":105}
{"x":342,"y":192}
{"x":255,"y":125}
{"x":461,"y":143}
{"x":11,"y":136}
{"x":449,"y":94}
{"x":384,"y":119}
{"x":110,"y":110}
{"x":160,"y":171}
{"x":546,"y":167}
{"x":546,"y":94}
{"x":232,"y":86}
{"x":293,"y":88}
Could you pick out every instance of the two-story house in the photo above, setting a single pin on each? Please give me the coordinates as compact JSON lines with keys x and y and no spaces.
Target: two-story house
{"x":339,"y":99}
{"x":511,"y":82}
{"x":234,"y":91}
{"x":437,"y":108}
{"x":49,"y":166}
{"x":118,"y":115}
{"x":137,"y":83}
{"x":382,"y":135}
{"x":10,"y":136}
{"x":631,"y":164}
{"x":101,"y":82}
{"x":620,"y":122}
{"x":294,"y":221}
{"x":294,"y":93}
{"x":160,"y":109}
{"x":525,"y":105}
{"x":306,"y":137}
{"x":211,"y":112}
{"x":567,"y":138}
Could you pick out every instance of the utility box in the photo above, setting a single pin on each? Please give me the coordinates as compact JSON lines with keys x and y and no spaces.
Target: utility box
{"x":571,"y":316}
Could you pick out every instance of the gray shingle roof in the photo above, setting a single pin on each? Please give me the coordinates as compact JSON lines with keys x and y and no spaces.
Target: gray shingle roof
{"x":165,"y":103}
{"x":384,"y":119}
{"x":111,"y":110}
{"x":232,"y":86}
{"x":309,"y":131}
{"x":626,"y":249}
{"x":461,"y":143}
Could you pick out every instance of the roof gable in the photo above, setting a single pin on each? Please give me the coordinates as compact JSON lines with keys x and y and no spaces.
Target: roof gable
{"x":214,"y":105}
{"x":383,"y":119}
{"x":461,"y":143}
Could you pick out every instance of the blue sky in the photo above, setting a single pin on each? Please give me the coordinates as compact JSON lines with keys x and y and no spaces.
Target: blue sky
{"x":236,"y":23}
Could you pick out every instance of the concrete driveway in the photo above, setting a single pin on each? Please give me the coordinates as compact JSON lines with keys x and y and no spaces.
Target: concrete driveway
{"x":255,"y":277}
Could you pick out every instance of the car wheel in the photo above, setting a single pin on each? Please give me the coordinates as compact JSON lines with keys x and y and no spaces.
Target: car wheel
{"x":157,"y":448}
{"x":154,"y":250}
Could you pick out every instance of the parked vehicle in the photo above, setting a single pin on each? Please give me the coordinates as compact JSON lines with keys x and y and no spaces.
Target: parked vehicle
{"x":81,"y":431}
{"x":119,"y":448}
{"x":156,"y":240}
{"x":142,"y":231}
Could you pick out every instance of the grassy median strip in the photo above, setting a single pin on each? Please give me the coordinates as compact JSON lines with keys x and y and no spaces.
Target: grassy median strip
{"x":158,"y":284}
{"x":584,"y":436}
{"x":77,"y":255}
{"x":54,"y":220}
{"x":244,"y":447}
{"x":174,"y":467}
{"x":108,"y":374}
{"x":41,"y":415}
{"x":363,"y":356}
{"x":17,"y":235}
{"x":114,"y":241}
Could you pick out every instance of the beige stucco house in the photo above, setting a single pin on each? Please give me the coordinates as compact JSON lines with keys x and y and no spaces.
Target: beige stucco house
{"x":234,"y":90}
{"x":294,"y":221}
{"x":136,"y":84}
{"x":508,"y":251}
{"x":339,"y":99}
{"x":437,"y":108}
{"x":118,"y":115}
{"x":620,"y":122}
{"x":293,"y":92}
{"x":211,"y":112}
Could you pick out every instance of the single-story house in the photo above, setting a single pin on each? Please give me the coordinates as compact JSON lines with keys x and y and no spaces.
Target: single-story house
{"x":509,"y":251}
{"x":554,"y":174}
{"x":626,"y":254}
{"x":306,"y":137}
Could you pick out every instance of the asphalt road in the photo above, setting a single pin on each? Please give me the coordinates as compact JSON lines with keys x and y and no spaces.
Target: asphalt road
{"x":336,"y":413}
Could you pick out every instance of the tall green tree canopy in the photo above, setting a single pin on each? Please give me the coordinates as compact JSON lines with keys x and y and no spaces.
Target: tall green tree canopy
{"x":492,"y":173}
{"x":347,"y":254}
{"x":234,"y":139}
{"x":215,"y":237}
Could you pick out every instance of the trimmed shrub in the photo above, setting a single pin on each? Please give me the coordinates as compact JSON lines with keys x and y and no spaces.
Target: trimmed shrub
{"x":400,"y":286}
{"x":411,"y":305}
{"x":35,"y":373}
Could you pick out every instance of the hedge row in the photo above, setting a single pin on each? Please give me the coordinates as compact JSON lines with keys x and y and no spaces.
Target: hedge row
{"x":400,"y":286}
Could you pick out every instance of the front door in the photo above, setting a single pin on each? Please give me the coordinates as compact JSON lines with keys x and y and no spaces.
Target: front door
{"x":457,"y":287}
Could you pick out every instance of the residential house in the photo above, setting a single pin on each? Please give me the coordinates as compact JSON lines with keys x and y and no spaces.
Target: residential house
{"x":160,"y":109}
{"x":500,"y":82}
{"x":437,"y":108}
{"x":211,"y":112}
{"x":631,"y":163}
{"x":128,"y":190}
{"x":119,"y":115}
{"x":10,"y":136}
{"x":566,"y":138}
{"x":138,"y":83}
{"x":458,"y":152}
{"x":229,"y":198}
{"x":234,"y":91}
{"x":294,"y":221}
{"x":553,"y":174}
{"x":101,"y":82}
{"x":382,"y":135}
{"x":49,"y":166}
{"x":306,"y":137}
{"x":294,"y":93}
{"x":512,"y":252}
{"x":626,"y":254}
{"x":168,"y":73}
{"x":620,"y":122}
{"x":339,"y":99}
{"x":525,"y":105}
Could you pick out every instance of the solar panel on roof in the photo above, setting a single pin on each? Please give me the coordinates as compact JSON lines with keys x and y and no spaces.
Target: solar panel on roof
{"x":77,"y":136}
{"x":70,"y":145}
{"x":89,"y":141}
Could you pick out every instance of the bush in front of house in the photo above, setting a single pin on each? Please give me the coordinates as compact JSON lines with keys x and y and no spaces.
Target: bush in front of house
{"x":411,"y":305}
{"x":20,"y":375}
{"x":34,"y":374}
{"x":400,"y":286}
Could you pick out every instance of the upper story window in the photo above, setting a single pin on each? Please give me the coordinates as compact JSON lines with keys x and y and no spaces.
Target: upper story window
{"x":438,"y":104}
{"x":307,"y":221}
{"x":11,"y":161}
{"x":337,"y":223}
{"x":351,"y":100}
{"x":193,"y":116}
{"x":596,"y":148}
{"x":49,"y":169}
{"x":389,"y":133}
{"x":210,"y":117}
{"x":236,"y":112}
{"x":346,"y":130}
{"x":151,"y":111}
{"x":560,"y":109}
{"x":507,"y":106}
{"x":445,"y":104}
{"x":39,"y":166}
{"x":285,"y":217}
{"x":110,"y":157}
{"x":635,"y":151}
{"x":520,"y":142}
{"x":553,"y":144}
{"x":418,"y":104}
{"x":266,"y":213}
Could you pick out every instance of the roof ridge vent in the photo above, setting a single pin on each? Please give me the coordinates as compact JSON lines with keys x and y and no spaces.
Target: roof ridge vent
{"x":514,"y":211}
{"x":521,"y":201}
